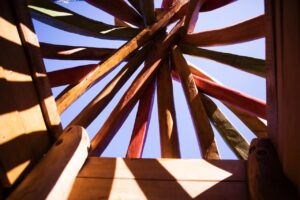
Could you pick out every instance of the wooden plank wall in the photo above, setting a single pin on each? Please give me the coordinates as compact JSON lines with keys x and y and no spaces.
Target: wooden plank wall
{"x":23,"y":131}
{"x":283,"y":97}
{"x":117,"y":178}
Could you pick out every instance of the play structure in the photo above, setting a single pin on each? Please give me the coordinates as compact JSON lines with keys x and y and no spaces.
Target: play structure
{"x":41,"y":160}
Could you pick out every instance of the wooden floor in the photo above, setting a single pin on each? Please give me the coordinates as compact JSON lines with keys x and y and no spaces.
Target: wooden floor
{"x":116,"y":178}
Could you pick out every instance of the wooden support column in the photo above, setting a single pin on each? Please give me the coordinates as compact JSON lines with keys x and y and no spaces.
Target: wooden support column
{"x":204,"y":131}
{"x":169,"y":143}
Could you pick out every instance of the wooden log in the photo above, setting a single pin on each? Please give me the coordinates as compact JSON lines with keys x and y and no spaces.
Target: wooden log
{"x":246,"y":31}
{"x":119,"y":9}
{"x":64,"y":52}
{"x":191,"y":15}
{"x":253,"y":106}
{"x":71,"y":75}
{"x":36,"y":65}
{"x":251,"y":65}
{"x":102,"y":69}
{"x":169,"y":143}
{"x":54,"y":175}
{"x":147,"y":8}
{"x":141,"y":124}
{"x":131,"y":96}
{"x":229,"y":133}
{"x":253,"y":123}
{"x":64,"y":19}
{"x":266,"y":179}
{"x":202,"y":126}
{"x":92,"y":110}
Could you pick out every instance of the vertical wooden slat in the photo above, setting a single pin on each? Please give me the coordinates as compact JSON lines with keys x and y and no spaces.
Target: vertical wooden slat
{"x":201,"y":123}
{"x":253,"y":123}
{"x":169,"y":143}
{"x":90,"y":112}
{"x":141,"y":124}
{"x":131,"y":96}
{"x":65,"y":100}
{"x":230,"y":134}
{"x":119,"y":9}
{"x":191,"y":16}
{"x":147,"y":8}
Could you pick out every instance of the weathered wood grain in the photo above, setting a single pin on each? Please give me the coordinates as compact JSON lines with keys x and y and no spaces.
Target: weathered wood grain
{"x":246,"y":31}
{"x":65,"y":52}
{"x":202,"y":126}
{"x":131,"y":96}
{"x":248,"y":64}
{"x":141,"y":124}
{"x":64,"y":19}
{"x":119,"y":9}
{"x":102,"y":69}
{"x":54,"y":175}
{"x":256,"y":125}
{"x":93,"y":109}
{"x":229,"y":133}
{"x":169,"y":143}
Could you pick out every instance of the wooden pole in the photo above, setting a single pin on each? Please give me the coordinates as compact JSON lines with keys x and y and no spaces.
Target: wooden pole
{"x":191,"y":15}
{"x":169,"y":142}
{"x":202,"y":126}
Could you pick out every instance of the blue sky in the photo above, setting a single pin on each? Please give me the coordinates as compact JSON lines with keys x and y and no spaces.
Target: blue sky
{"x":247,"y":83}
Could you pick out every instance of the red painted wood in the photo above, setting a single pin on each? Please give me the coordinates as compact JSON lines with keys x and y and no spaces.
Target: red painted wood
{"x":245,"y":31}
{"x":119,"y":9}
{"x":250,"y":105}
{"x":70,"y":75}
{"x":141,"y":123}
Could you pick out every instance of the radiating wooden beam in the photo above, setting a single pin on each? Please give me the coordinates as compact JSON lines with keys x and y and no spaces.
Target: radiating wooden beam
{"x":70,"y":75}
{"x":64,"y":19}
{"x":135,"y":4}
{"x":244,"y":102}
{"x":246,"y":31}
{"x":251,"y":65}
{"x":169,"y":142}
{"x":215,"y":4}
{"x":147,"y":8}
{"x":94,"y":108}
{"x":229,"y":133}
{"x":201,"y":123}
{"x":141,"y":124}
{"x":166,"y":3}
{"x":119,"y":9}
{"x":102,"y":69}
{"x":131,"y":96}
{"x":253,"y":123}
{"x":191,"y":15}
{"x":119,"y":22}
{"x":64,"y":52}
{"x":54,"y":175}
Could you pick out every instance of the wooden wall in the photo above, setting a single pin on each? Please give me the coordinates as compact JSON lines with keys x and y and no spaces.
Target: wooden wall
{"x":25,"y":117}
{"x":283,"y":88}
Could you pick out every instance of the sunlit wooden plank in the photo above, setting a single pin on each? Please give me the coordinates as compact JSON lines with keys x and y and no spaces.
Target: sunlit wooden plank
{"x":94,"y":108}
{"x":119,"y":9}
{"x":255,"y":124}
{"x":246,"y":31}
{"x":131,"y":96}
{"x":64,"y":101}
{"x":64,"y":19}
{"x":169,"y":143}
{"x":248,"y":64}
{"x":65,"y":52}
{"x":201,"y":123}
{"x":141,"y":124}
{"x":230,"y":134}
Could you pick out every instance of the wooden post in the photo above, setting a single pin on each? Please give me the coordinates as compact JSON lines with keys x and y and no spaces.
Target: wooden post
{"x":191,"y":15}
{"x":203,"y":129}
